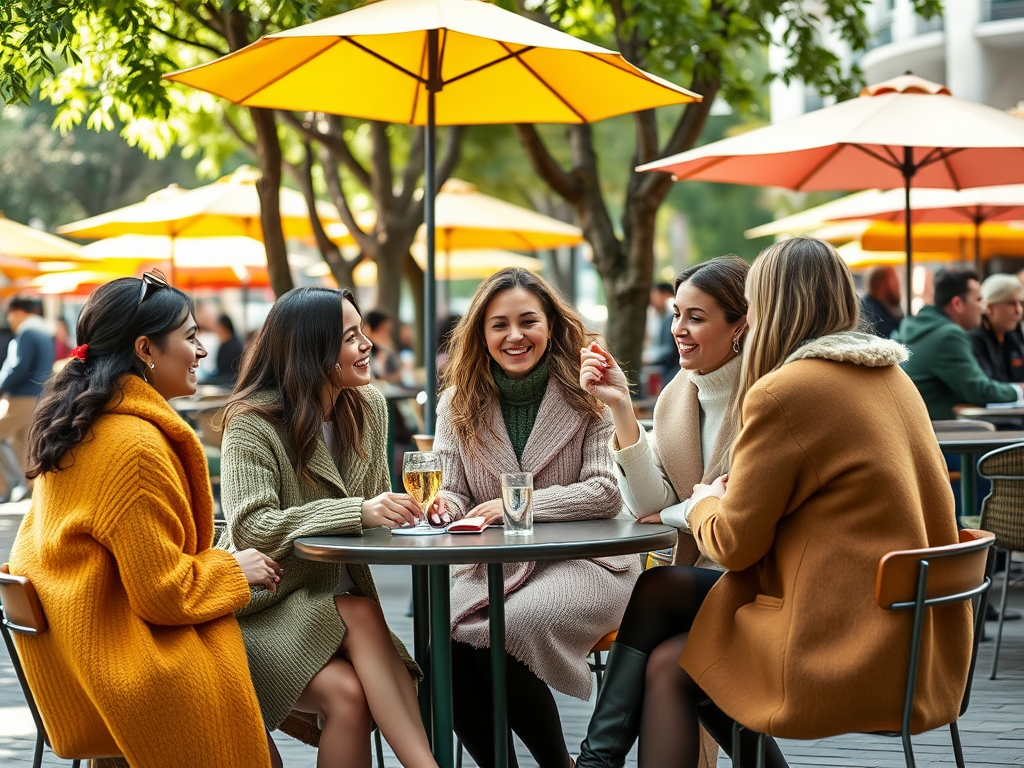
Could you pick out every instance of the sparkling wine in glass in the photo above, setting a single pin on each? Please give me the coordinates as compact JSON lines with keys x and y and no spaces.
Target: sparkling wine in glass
{"x":421,"y":473}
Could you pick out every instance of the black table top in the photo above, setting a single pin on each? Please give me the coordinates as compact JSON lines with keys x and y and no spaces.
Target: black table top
{"x":973,"y":441}
{"x":549,"y":541}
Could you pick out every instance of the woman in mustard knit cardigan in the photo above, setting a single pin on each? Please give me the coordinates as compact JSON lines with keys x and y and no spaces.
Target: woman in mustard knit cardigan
{"x":142,"y":646}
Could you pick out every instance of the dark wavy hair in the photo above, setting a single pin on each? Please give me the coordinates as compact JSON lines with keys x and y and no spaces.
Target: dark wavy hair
{"x":110,"y":323}
{"x":294,"y":354}
{"x":723,"y":278}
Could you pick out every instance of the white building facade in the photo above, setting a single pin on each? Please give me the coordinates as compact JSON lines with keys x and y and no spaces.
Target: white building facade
{"x":976,"y":48}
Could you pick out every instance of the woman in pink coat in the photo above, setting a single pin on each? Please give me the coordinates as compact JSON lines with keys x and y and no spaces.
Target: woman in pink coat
{"x":512,"y":403}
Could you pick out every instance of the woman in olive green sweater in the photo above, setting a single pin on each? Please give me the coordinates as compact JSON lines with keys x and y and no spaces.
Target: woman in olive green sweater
{"x":304,"y":454}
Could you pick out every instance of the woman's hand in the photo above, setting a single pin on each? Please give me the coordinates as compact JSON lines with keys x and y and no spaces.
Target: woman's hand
{"x":259,"y":569}
{"x":702,"y":491}
{"x":490,"y":511}
{"x":390,"y":510}
{"x":438,"y":512}
{"x":655,"y":518}
{"x":601,"y":376}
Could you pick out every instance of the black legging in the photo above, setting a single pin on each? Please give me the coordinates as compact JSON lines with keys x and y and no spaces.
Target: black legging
{"x":532,"y":712}
{"x":664,"y":605}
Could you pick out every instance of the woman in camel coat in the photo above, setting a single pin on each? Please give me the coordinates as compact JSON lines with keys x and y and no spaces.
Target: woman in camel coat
{"x":513,"y":404}
{"x":835,"y":465}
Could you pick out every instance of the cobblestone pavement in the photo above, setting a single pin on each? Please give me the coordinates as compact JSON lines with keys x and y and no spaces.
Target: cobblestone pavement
{"x":992,"y":729}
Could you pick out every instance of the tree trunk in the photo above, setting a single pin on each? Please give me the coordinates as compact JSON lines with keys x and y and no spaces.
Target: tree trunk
{"x":268,"y":152}
{"x":268,"y":157}
{"x":341,"y":268}
{"x":628,"y":290}
{"x":415,"y":278}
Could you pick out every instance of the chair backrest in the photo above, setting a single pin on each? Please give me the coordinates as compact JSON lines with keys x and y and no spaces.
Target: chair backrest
{"x":922,"y":578}
{"x":22,"y":611}
{"x":963,"y":425}
{"x":1002,"y":512}
{"x":953,"y":571}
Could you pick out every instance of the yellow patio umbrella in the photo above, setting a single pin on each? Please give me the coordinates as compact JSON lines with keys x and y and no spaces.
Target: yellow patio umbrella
{"x":857,"y":258}
{"x":813,"y":218}
{"x":19,"y":241}
{"x":994,"y":239}
{"x":230,"y":206}
{"x":475,"y":264}
{"x":430,"y":63}
{"x":198,"y":261}
{"x":467,"y":218}
{"x":77,"y":282}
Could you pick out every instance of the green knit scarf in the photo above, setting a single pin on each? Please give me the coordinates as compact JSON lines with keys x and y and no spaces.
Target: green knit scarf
{"x":520,"y":401}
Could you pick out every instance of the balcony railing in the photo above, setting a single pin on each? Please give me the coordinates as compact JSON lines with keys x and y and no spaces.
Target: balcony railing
{"x":883,"y":34}
{"x":934,"y":24}
{"x":998,"y":10}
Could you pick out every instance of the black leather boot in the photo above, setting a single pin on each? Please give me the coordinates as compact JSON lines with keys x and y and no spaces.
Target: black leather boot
{"x":615,"y":724}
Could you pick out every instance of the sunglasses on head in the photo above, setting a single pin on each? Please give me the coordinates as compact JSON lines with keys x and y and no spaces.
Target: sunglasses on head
{"x":152,"y":282}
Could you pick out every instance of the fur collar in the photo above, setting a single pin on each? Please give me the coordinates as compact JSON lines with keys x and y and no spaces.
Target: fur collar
{"x":852,"y":347}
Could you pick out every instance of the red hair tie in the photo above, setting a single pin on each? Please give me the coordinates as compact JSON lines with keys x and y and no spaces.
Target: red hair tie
{"x":78,"y":353}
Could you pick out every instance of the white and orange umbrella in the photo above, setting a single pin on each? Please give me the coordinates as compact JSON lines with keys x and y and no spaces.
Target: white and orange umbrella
{"x":901,"y":133}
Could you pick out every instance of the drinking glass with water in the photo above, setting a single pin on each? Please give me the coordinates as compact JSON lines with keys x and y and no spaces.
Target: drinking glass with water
{"x":517,"y":501}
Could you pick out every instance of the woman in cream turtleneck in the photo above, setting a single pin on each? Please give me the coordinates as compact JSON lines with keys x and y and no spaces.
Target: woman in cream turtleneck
{"x":512,"y":403}
{"x":694,"y":427}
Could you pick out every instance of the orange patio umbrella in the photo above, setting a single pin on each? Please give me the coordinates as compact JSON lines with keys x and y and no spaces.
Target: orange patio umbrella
{"x":973,"y":207}
{"x":901,"y":133}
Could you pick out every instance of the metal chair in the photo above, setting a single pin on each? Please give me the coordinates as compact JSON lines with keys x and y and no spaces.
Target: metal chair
{"x":917,"y":579}
{"x":1002,"y":513}
{"x":23,"y":613}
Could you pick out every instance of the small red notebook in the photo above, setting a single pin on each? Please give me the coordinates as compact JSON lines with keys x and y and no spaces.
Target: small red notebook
{"x":468,"y":525}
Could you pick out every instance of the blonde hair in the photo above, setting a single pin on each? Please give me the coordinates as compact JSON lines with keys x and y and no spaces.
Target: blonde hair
{"x":468,"y":370}
{"x":798,"y":290}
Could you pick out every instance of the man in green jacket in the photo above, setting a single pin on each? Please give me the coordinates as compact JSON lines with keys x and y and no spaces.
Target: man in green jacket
{"x":941,"y":362}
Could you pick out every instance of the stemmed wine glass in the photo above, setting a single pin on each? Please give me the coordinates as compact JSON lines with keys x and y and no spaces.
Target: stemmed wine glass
{"x":421,"y":473}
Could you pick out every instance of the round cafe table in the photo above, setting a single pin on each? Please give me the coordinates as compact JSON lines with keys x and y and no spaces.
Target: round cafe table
{"x":430,"y":557}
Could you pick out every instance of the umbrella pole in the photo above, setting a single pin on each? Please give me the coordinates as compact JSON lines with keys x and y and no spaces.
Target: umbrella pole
{"x":977,"y":241}
{"x":172,"y":261}
{"x":441,"y":653}
{"x":430,"y":283}
{"x":908,"y":173}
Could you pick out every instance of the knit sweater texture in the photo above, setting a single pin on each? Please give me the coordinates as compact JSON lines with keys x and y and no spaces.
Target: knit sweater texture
{"x":142,"y":656}
{"x":554,"y":610}
{"x":520,"y":400}
{"x":291,"y":633}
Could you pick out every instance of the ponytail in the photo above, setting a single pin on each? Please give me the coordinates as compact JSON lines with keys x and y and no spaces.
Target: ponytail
{"x":115,"y":315}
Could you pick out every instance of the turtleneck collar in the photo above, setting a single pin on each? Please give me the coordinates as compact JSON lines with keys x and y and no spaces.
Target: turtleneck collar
{"x":524,"y":391}
{"x":719,"y":384}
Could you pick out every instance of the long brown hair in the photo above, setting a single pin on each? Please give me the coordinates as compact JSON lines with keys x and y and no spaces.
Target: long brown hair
{"x":293,"y":355}
{"x":468,"y":370}
{"x":798,"y":289}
